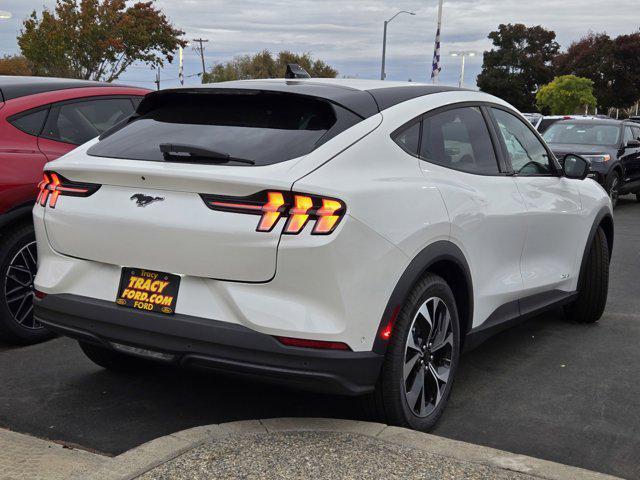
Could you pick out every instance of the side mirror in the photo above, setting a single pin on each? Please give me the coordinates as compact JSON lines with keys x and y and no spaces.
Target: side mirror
{"x":633,"y":144}
{"x":575,"y":167}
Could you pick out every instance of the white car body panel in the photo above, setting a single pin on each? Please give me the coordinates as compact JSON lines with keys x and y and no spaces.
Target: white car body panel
{"x":553,"y":213}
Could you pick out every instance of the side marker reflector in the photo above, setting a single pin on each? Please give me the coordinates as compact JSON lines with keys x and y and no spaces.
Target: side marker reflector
{"x":300,"y":342}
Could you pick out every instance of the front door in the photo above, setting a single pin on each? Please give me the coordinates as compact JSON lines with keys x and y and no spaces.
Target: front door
{"x":554,"y":225}
{"x":630,"y":156}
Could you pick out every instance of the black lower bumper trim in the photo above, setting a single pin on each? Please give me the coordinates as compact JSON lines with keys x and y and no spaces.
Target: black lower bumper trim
{"x":221,"y":346}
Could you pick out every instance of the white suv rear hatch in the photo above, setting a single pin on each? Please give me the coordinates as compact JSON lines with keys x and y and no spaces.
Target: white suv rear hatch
{"x":148,"y":211}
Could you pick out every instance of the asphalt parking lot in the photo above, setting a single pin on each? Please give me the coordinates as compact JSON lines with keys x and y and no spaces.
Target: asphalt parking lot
{"x":547,"y":388}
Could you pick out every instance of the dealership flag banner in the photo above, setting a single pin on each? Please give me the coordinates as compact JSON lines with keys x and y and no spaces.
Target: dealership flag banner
{"x":436,"y":67}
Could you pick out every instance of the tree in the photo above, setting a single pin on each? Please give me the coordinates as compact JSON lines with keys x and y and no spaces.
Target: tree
{"x":97,"y":39}
{"x":15,"y":65}
{"x":591,"y":57}
{"x":565,"y":94}
{"x":264,"y":65}
{"x":626,"y":70}
{"x":612,"y":65}
{"x":519,"y":65}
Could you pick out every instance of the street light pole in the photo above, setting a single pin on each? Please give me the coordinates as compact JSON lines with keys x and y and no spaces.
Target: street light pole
{"x":462,"y":54}
{"x":384,"y":49}
{"x":384,"y":41}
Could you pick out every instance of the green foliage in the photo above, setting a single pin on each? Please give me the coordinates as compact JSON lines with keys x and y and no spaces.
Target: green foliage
{"x":264,"y":65}
{"x":519,"y":64}
{"x":15,"y":65}
{"x":565,"y":95}
{"x":97,"y":39}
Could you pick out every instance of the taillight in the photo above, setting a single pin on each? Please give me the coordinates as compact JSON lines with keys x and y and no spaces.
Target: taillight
{"x":53,"y":186}
{"x":298,"y":208}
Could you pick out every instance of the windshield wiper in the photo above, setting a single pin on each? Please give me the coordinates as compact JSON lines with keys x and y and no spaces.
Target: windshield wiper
{"x":186,"y":153}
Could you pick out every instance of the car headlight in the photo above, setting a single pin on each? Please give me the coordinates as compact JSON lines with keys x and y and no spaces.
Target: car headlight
{"x":597,"y":158}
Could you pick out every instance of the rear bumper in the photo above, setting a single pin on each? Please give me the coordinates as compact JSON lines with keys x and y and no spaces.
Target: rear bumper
{"x":221,"y":346}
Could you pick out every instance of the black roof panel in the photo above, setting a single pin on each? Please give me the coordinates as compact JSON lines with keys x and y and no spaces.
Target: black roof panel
{"x":14,"y":87}
{"x":389,"y":96}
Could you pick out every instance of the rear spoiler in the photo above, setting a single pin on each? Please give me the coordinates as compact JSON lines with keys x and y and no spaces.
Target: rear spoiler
{"x":357,"y":101}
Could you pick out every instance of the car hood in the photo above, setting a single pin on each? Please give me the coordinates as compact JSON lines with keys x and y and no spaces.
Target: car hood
{"x":560,"y":149}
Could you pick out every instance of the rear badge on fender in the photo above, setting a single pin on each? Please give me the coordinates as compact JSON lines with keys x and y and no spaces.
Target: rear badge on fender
{"x":143,"y":200}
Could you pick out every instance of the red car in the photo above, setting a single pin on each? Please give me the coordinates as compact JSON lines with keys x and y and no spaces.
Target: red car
{"x":40,"y":120}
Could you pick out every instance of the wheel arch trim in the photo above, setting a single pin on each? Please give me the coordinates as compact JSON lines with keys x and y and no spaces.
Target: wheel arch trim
{"x":604,"y":218}
{"x":16,"y":214}
{"x":436,"y":252}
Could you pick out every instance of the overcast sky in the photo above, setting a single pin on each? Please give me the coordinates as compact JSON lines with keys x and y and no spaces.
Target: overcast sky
{"x":347,"y":34}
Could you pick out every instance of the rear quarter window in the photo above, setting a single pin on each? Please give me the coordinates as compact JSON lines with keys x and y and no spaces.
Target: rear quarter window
{"x":263,"y":127}
{"x":30,"y":122}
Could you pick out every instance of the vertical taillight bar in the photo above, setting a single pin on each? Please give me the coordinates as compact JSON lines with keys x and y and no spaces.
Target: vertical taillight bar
{"x":271,"y":211}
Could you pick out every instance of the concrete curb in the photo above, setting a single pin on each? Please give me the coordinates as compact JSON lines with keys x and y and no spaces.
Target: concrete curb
{"x":141,"y":459}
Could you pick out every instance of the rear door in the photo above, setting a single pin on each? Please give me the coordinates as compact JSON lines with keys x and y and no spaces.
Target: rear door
{"x":21,"y":161}
{"x":75,"y":122}
{"x":553,"y":207}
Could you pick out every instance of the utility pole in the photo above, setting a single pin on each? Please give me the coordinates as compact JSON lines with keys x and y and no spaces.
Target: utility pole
{"x":200,"y":50}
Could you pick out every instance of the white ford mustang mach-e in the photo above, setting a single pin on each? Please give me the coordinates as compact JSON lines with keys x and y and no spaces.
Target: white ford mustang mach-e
{"x":345,"y":236}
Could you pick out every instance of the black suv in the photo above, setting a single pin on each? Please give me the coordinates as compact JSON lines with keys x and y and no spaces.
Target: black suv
{"x":611,"y":146}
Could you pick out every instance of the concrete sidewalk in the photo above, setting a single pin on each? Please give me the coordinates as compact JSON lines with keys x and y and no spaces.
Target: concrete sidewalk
{"x":287,"y":448}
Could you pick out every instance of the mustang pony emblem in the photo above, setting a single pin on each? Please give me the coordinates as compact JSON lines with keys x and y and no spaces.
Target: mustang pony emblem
{"x":143,"y":200}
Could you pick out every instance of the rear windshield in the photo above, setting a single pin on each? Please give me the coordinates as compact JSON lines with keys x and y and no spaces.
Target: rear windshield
{"x":261,"y":127}
{"x":546,"y":123}
{"x":582,"y":133}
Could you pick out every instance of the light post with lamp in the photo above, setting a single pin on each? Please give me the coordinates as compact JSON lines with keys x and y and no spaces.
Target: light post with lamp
{"x":384,"y":41}
{"x":462,"y":54}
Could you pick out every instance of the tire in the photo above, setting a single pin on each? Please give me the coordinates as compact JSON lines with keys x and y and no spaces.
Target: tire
{"x":594,"y":283}
{"x":18,"y":258}
{"x":390,"y":403}
{"x":613,"y":187}
{"x":112,"y":360}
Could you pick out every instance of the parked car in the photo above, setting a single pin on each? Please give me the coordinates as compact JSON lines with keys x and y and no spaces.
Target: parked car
{"x":611,"y":146}
{"x":533,"y":118}
{"x":40,"y":119}
{"x":344,"y":236}
{"x":634,"y":118}
{"x":543,"y":122}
